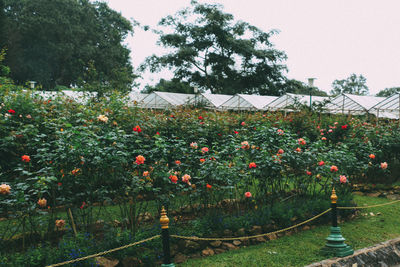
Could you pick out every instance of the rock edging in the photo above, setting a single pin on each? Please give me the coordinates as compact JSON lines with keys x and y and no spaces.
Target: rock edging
{"x":384,"y":254}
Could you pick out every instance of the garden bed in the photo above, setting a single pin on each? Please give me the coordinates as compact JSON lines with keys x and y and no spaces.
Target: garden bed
{"x":114,"y":166}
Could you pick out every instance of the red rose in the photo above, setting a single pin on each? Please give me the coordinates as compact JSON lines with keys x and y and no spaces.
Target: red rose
{"x":252,"y":165}
{"x":26,"y":158}
{"x":137,"y":129}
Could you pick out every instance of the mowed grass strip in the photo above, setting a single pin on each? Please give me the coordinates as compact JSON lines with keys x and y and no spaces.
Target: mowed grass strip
{"x":303,"y":248}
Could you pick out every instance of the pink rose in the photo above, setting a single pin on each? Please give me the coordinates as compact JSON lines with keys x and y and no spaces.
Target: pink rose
{"x":384,"y":165}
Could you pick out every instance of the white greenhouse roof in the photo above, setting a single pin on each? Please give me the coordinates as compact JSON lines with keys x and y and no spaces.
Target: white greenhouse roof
{"x":353,"y":104}
{"x":392,"y":103}
{"x":288,"y":100}
{"x":213,"y":100}
{"x":305,"y":99}
{"x":248,"y":102}
{"x":388,"y":108}
{"x":162,"y":100}
{"x":135,"y":98}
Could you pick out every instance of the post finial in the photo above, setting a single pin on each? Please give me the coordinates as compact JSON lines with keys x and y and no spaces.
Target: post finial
{"x":164,"y":220}
{"x":333,"y":196}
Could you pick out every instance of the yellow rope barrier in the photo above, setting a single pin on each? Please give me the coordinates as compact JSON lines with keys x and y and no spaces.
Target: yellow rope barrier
{"x":104,"y":252}
{"x":367,"y":207}
{"x":216,"y":239}
{"x":253,"y":236}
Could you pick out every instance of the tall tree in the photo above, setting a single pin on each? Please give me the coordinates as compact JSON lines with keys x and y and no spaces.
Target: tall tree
{"x":356,"y":85}
{"x":54,"y":42}
{"x":389,"y":91}
{"x":211,"y":51}
{"x":4,"y":70}
{"x":2,"y":23}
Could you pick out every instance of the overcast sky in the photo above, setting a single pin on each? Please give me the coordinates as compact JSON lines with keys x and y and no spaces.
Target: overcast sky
{"x":324,"y":39}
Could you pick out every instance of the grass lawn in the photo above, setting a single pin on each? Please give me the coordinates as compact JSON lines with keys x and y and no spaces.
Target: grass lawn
{"x":303,"y":248}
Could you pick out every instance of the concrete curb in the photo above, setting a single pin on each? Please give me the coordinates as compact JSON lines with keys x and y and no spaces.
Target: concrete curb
{"x":384,"y":254}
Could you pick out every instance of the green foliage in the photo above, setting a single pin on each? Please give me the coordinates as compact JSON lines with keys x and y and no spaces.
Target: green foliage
{"x":354,"y":84}
{"x":212,"y":52}
{"x":174,"y":85}
{"x":4,"y":70}
{"x":55,"y":42}
{"x":388,"y":92}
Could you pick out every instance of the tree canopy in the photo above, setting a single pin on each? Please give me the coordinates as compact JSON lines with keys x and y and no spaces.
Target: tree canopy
{"x":389,"y":91}
{"x":174,"y":86}
{"x":211,"y":51}
{"x":56,"y":42}
{"x":356,"y":85}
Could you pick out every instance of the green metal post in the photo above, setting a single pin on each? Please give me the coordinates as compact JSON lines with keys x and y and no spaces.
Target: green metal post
{"x":335,"y":245}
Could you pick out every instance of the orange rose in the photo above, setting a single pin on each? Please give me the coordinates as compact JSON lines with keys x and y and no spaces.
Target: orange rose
{"x":186,"y":178}
{"x":5,"y":189}
{"x":173,"y":178}
{"x":204,"y":149}
{"x":75,"y":171}
{"x":140,"y":160}
{"x":60,"y":224}
{"x":42,"y":202}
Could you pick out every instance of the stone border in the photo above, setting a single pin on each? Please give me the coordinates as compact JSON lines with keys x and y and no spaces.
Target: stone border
{"x":384,"y":254}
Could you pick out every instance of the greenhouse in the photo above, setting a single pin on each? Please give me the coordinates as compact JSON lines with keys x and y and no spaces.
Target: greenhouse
{"x":247,"y":102}
{"x":165,"y":100}
{"x":352,"y":104}
{"x":135,"y":98}
{"x":211,"y":101}
{"x":287,"y":101}
{"x":388,"y":108}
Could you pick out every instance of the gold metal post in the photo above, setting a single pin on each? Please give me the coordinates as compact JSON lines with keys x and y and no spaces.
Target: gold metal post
{"x":164,"y":220}
{"x":333,"y":196}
